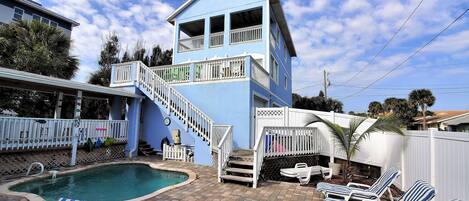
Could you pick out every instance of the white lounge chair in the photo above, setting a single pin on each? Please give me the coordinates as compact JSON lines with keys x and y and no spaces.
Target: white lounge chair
{"x":357,"y":191}
{"x":301,"y":171}
{"x":419,"y":191}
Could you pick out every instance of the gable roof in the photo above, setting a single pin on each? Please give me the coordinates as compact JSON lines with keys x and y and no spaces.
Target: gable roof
{"x":442,"y":116}
{"x":276,"y":8}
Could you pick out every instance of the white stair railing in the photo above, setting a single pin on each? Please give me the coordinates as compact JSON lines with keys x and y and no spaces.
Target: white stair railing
{"x":224,"y":150}
{"x":284,"y":141}
{"x":160,"y":90}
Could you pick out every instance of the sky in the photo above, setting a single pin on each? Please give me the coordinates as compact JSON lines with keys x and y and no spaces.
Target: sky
{"x":339,"y":36}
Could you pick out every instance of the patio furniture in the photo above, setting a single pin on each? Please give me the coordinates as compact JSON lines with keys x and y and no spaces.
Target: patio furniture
{"x":361,"y":191}
{"x":303,"y":172}
{"x":419,"y":191}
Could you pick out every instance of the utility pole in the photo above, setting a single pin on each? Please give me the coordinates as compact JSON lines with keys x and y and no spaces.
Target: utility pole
{"x":327,"y":83}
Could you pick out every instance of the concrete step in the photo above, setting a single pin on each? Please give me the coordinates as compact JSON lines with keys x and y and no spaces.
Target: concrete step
{"x":239,"y":170}
{"x":241,"y":163}
{"x":237,"y":178}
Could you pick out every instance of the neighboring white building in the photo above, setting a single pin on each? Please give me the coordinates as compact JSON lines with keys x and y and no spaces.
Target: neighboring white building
{"x":446,"y":120}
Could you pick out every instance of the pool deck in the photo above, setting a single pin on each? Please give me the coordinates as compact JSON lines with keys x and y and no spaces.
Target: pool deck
{"x":206,"y":187}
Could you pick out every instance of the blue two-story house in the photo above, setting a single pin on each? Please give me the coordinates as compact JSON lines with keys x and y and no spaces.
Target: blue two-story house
{"x":229,"y":58}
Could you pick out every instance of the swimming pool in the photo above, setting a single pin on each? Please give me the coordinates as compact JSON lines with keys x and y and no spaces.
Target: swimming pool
{"x":104,"y":183}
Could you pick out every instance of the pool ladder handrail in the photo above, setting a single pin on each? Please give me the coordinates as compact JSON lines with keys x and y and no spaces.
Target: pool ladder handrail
{"x":35,"y":163}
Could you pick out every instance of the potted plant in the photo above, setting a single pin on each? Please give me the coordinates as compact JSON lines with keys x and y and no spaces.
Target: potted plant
{"x":349,"y":138}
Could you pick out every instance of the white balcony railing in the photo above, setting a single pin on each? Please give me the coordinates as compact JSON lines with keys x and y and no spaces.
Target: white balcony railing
{"x":220,"y":69}
{"x":216,"y":39}
{"x":259,"y":74}
{"x":247,"y":34}
{"x":19,"y":133}
{"x":122,"y":73}
{"x":173,"y":73}
{"x":191,"y":44}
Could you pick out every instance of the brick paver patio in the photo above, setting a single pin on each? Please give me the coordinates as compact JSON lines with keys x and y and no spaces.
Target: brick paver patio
{"x":206,"y":187}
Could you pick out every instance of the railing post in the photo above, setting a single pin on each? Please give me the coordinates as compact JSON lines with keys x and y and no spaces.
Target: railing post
{"x":191,"y":72}
{"x":76,"y":126}
{"x":294,"y":138}
{"x":432,"y":156}
{"x":186,"y":114}
{"x":331,"y":140}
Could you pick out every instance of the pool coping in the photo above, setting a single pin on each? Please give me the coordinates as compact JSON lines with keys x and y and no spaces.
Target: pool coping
{"x":5,"y":188}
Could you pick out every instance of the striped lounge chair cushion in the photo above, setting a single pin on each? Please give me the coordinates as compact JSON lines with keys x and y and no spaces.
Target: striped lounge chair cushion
{"x":419,"y":191}
{"x":378,"y":188}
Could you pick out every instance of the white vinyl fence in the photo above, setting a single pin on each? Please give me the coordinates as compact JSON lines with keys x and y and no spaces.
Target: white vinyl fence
{"x":438,"y":157}
{"x":18,"y":133}
{"x":181,"y":153}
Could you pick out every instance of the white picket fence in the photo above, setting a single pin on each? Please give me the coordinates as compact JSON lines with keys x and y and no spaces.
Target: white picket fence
{"x":173,"y":152}
{"x":18,"y":133}
{"x":284,"y":141}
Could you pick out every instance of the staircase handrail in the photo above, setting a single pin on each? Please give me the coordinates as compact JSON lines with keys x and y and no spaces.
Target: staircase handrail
{"x":224,"y":148}
{"x":176,"y":102}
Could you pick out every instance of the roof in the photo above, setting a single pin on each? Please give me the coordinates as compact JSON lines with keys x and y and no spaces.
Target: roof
{"x":277,"y":9}
{"x":24,"y":80}
{"x":39,"y":7}
{"x":443,"y":116}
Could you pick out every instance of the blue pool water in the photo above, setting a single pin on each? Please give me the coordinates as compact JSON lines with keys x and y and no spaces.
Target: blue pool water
{"x":105,"y":183}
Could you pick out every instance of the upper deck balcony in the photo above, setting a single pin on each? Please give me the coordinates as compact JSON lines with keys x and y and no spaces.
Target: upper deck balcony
{"x":241,"y":67}
{"x":244,"y":27}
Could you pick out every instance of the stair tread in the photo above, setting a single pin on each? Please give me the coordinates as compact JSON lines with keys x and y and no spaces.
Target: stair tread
{"x":239,"y":170}
{"x":246,"y":163}
{"x":237,"y":178}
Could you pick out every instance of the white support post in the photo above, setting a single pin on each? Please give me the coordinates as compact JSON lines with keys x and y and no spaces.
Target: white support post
{"x":58,"y":106}
{"x":76,"y":125}
{"x":331,"y":140}
{"x":432,"y":156}
{"x":186,"y":114}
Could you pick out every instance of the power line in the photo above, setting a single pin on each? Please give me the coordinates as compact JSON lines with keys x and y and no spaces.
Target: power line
{"x":410,"y":56}
{"x":390,"y":95}
{"x":401,"y":88}
{"x":386,"y":44}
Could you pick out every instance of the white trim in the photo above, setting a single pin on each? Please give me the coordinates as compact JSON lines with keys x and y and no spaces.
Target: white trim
{"x":252,"y":129}
{"x":11,"y":74}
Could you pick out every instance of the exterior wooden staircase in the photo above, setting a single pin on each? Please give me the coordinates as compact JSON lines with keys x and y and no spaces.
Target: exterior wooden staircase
{"x":239,"y":168}
{"x":145,"y":149}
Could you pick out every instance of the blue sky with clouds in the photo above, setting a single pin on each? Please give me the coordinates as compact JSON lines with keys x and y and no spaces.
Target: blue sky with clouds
{"x":341,"y":36}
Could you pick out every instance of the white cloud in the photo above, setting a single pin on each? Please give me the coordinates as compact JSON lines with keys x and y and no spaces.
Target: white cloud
{"x":131,"y":21}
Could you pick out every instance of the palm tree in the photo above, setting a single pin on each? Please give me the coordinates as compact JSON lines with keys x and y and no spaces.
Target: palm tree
{"x":422,"y":98}
{"x":349,"y":138}
{"x":374,"y":109}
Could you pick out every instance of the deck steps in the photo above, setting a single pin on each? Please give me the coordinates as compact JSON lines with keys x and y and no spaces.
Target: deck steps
{"x":239,"y":168}
{"x":145,"y":149}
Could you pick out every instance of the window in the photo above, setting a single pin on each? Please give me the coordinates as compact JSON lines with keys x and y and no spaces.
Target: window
{"x":286,"y":82}
{"x":53,"y":24}
{"x":274,"y":69}
{"x":36,"y":17}
{"x":18,"y":14}
{"x":45,"y":21}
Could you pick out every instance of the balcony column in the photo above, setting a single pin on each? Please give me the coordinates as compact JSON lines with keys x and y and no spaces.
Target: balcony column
{"x":191,"y":72}
{"x":58,"y":106}
{"x":226,"y":31}
{"x":75,"y":129}
{"x":247,"y":66}
{"x":207,"y":33}
{"x":176,"y":40}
